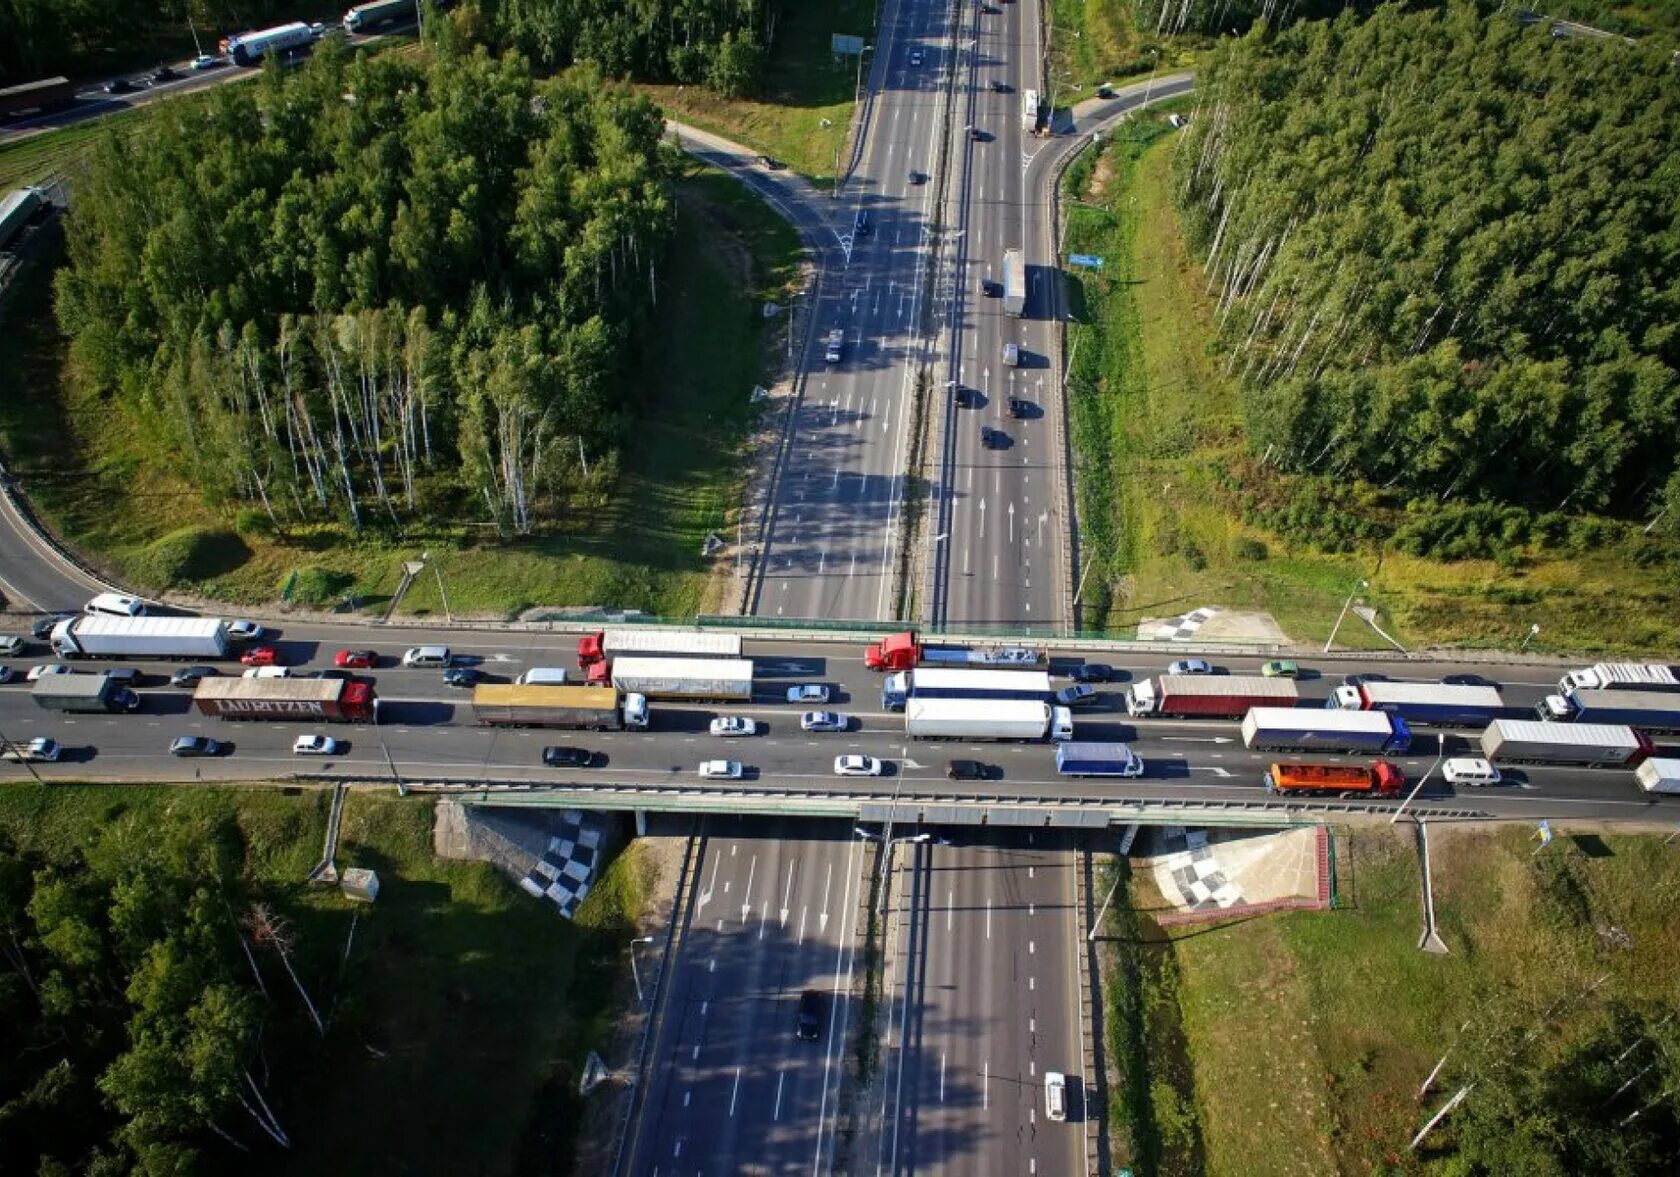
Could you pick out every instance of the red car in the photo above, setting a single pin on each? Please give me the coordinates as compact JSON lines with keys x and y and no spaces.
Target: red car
{"x":355,"y":659}
{"x":261,"y":656}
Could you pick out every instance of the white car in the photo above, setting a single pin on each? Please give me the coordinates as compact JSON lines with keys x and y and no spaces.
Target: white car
{"x":36,"y":673}
{"x":1470,"y":771}
{"x":725,"y":769}
{"x":206,"y":61}
{"x":268,"y":672}
{"x":857,"y":766}
{"x":733,"y":725}
{"x":1190,"y":666}
{"x":40,"y":748}
{"x":11,"y":644}
{"x":244,"y":631}
{"x":1055,"y":1096}
{"x":811,"y":692}
{"x":823,"y":721}
{"x":315,"y":746}
{"x":915,"y":57}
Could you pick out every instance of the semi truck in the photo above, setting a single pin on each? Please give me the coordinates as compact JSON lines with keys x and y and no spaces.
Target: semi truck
{"x":365,"y":18}
{"x":721,"y":680}
{"x":986,"y":719}
{"x":251,"y":48}
{"x":904,"y":651}
{"x":595,"y":648}
{"x":1225,"y":695}
{"x":1319,"y":729}
{"x":17,"y":209}
{"x":1425,"y":704}
{"x":1014,"y":283}
{"x":39,"y":96}
{"x":933,"y":682}
{"x":1651,"y":711}
{"x":1379,"y":779}
{"x":1029,"y":111}
{"x":1620,"y":676}
{"x":335,"y":700}
{"x":584,"y":708}
{"x":90,"y":693}
{"x":100,"y":636}
{"x":1658,"y":776}
{"x":1587,"y":745}
{"x":1083,"y":758}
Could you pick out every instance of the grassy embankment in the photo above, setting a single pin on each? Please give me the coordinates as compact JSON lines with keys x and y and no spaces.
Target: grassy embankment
{"x":1296,"y":1043}
{"x":465,"y":1009}
{"x":805,"y":106}
{"x":1157,"y":430}
{"x":680,"y":475}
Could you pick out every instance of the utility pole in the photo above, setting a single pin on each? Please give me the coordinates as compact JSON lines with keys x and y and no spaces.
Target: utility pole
{"x":1363,"y":584}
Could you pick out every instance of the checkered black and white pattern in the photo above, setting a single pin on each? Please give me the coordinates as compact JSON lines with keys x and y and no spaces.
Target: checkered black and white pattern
{"x":1181,"y":628}
{"x":566,"y":871}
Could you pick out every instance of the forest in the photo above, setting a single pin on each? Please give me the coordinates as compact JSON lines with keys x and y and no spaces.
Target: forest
{"x":1445,"y":255}
{"x":718,"y":43}
{"x":379,"y":286}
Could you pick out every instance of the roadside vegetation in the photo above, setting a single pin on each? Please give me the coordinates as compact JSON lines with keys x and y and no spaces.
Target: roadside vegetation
{"x":162,"y":955}
{"x":1183,"y":504}
{"x":634,"y":541}
{"x":1298,"y":1042}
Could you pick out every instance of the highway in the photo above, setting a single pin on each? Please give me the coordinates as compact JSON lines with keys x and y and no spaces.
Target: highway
{"x":839,"y":498}
{"x":732,"y":1087}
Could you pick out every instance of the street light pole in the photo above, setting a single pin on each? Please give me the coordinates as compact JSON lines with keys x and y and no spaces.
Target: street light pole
{"x":1363,"y":584}
{"x":636,"y":975}
{"x":1533,"y":631}
{"x":1440,"y":751}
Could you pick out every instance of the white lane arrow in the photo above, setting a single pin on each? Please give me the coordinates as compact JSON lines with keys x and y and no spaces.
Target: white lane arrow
{"x":912,"y":764}
{"x":822,"y":916}
{"x":1213,"y":768}
{"x":786,"y":892}
{"x":1011,"y":522}
{"x":746,"y":896}
{"x":1198,"y":739}
{"x":982,"y":517}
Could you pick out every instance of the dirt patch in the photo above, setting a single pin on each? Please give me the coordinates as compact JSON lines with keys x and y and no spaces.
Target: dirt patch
{"x":1101,"y":176}
{"x":1217,"y":625}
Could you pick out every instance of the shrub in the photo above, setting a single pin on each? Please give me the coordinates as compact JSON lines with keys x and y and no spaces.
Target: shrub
{"x":191,"y":555}
{"x":1249,"y":548}
{"x":315,"y":585}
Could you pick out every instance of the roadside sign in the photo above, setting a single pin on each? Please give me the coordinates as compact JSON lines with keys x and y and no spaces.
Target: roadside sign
{"x":843,"y":46}
{"x":1086,"y":260}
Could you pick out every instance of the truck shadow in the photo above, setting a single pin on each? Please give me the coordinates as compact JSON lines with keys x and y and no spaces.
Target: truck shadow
{"x":419,"y":712}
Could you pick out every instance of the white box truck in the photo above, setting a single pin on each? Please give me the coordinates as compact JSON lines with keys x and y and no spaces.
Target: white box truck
{"x":196,"y":638}
{"x":986,"y":719}
{"x":721,"y":680}
{"x":1078,"y":758}
{"x":1659,"y":776}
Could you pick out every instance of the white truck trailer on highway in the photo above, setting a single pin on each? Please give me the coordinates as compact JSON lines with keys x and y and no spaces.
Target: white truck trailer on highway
{"x":1014,"y":283}
{"x":1658,"y":776}
{"x":1077,"y":758}
{"x":986,"y":719}
{"x":721,"y":680}
{"x":250,"y":48}
{"x":99,"y":636}
{"x":365,"y":18}
{"x":1589,"y":745}
{"x":1620,"y":676}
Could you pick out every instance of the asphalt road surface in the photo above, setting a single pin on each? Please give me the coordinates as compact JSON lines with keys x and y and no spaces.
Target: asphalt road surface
{"x":840,"y":496}
{"x":732,"y":1087}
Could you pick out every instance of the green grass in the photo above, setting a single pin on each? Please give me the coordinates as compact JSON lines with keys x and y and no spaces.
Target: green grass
{"x":29,"y":161}
{"x":1162,"y":463}
{"x":1308,"y":1034}
{"x":805,"y":86}
{"x":679,"y":477}
{"x":460,"y":1024}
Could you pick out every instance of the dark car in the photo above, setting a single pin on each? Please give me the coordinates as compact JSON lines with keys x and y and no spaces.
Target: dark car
{"x":195,"y":746}
{"x":769,"y":164}
{"x":1469,"y":680}
{"x":119,"y":86}
{"x":43,"y":628}
{"x":999,"y":87}
{"x":966,"y":397}
{"x":966,"y":770}
{"x":1079,"y":695}
{"x":976,"y":134}
{"x":164,"y":74}
{"x":990,"y":289}
{"x":993,"y":439}
{"x":1359,"y":680}
{"x":861,"y":225}
{"x":556,"y":756}
{"x":1019,"y":408}
{"x":915,"y":177}
{"x":189,"y":676}
{"x":808,"y":1022}
{"x":340,"y":675}
{"x":461,"y":676}
{"x":1092,"y":672}
{"x":125,"y":676}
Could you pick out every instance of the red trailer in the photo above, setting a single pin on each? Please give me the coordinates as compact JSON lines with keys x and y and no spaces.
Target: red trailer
{"x":1378,"y":779}
{"x":1227,"y":696}
{"x":333,"y":699}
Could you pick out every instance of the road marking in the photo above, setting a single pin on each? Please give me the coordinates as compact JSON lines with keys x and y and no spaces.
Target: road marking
{"x":786,"y":893}
{"x":942,"y":1076}
{"x":950,"y":907}
{"x":735,"y":1091}
{"x":988,"y":919}
{"x":1032,"y":947}
{"x":776,"y":1112}
{"x":746,"y":896}
{"x":687,"y":1095}
{"x":986,"y":1084}
{"x":1032,"y":983}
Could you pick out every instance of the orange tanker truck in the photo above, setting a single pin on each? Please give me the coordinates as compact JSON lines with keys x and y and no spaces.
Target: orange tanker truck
{"x":1379,"y":779}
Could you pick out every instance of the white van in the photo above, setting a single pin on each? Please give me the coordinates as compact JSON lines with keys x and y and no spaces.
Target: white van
{"x":1470,"y":771}
{"x":426,"y":656}
{"x":1055,"y":1096}
{"x":115,"y":605}
{"x":542,"y":676}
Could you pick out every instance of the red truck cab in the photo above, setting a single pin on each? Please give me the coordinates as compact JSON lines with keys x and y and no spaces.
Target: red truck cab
{"x":899,"y":651}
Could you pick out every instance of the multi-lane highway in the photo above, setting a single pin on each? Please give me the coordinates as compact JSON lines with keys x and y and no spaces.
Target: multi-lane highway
{"x":839,"y":501}
{"x":735,"y":1085}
